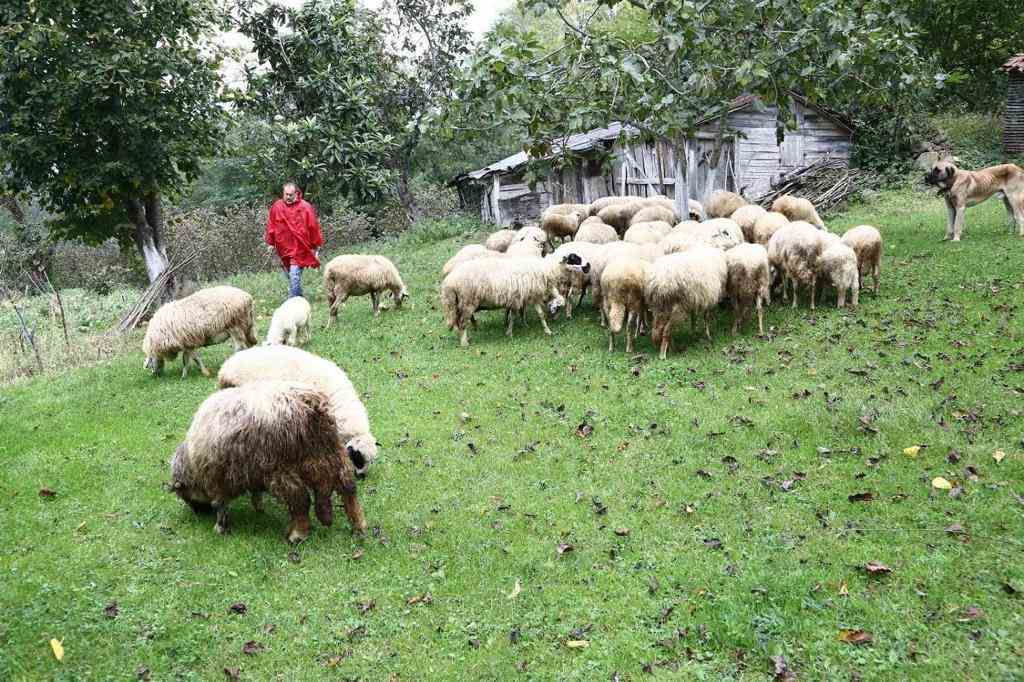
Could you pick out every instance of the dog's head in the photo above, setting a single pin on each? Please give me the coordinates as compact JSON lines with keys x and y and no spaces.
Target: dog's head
{"x":941,"y":175}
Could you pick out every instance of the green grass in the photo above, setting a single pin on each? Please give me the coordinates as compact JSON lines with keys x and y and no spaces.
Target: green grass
{"x":702,"y":446}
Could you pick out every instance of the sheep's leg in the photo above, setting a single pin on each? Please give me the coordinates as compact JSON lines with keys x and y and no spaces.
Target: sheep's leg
{"x":583,"y":291}
{"x":186,"y":358}
{"x":322,"y":505}
{"x":876,"y":273}
{"x":199,"y":361}
{"x":396,"y":294}
{"x":611,"y":339}
{"x":840,"y":296}
{"x":257,"y":500}
{"x":510,"y":320}
{"x":568,"y":304}
{"x":543,"y":321}
{"x":353,"y":510}
{"x":629,"y":331}
{"x":736,"y":313}
{"x":666,"y":336}
{"x":814,"y":284}
{"x":337,"y":305}
{"x":375,"y":302}
{"x":794,"y":293}
{"x":222,"y":526}
{"x":707,"y":324}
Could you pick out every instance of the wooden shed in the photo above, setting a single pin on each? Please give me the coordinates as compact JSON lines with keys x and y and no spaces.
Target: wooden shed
{"x":1013,"y":126}
{"x":750,"y":160}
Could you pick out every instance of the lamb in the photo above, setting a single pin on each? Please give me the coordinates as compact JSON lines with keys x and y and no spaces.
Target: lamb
{"x":796,"y":209}
{"x":604,"y":202}
{"x":692,"y":282}
{"x":838,"y":264}
{"x":746,"y":217}
{"x":511,"y":284}
{"x":866,"y":242}
{"x":749,"y":282}
{"x":766,"y":226}
{"x":561,"y":225}
{"x":646,"y":233}
{"x":622,"y":287}
{"x":723,"y":204}
{"x":285,"y":363}
{"x":500,"y":240}
{"x":290,"y":320}
{"x":578,"y":281}
{"x":619,"y":215}
{"x":794,"y":250}
{"x":201,"y":319}
{"x":358,"y":275}
{"x":657,"y":212}
{"x":271,"y":435}
{"x":594,"y":230}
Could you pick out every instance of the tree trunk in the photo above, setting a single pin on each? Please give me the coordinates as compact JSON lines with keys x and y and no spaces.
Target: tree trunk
{"x":13,"y":207}
{"x":405,"y":195}
{"x":148,"y":220}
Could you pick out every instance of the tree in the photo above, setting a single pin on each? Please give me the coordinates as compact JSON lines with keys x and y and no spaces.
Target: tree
{"x":108,"y":107}
{"x":347,"y":90}
{"x":665,"y":66}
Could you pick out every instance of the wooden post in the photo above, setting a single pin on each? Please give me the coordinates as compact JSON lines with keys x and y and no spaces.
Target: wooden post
{"x":625,"y":170}
{"x":661,"y":169}
{"x":682,"y":185}
{"x":496,"y":200}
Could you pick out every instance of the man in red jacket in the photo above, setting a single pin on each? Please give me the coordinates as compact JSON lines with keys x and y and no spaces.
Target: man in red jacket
{"x":293,"y":231}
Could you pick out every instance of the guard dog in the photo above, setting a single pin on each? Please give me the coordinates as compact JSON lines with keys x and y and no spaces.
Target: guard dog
{"x":962,"y":188}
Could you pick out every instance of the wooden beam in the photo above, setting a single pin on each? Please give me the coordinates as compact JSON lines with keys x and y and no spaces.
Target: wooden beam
{"x":496,"y":200}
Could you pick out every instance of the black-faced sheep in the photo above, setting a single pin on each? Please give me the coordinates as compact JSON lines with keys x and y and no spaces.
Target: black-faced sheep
{"x":289,"y":323}
{"x":688,"y":283}
{"x":201,"y":319}
{"x":578,"y":281}
{"x":749,"y":283}
{"x":866,"y":242}
{"x":723,"y":204}
{"x":268,"y":436}
{"x":796,"y":209}
{"x":358,"y":275}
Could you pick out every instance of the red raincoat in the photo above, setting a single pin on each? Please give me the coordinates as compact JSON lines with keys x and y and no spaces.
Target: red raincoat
{"x":294,"y":231}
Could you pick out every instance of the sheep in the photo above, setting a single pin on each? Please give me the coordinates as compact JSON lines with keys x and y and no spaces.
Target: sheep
{"x":201,"y":319}
{"x":529,"y":247}
{"x":722,"y":233}
{"x":358,"y":275}
{"x":578,"y":281}
{"x":796,"y":209}
{"x":511,"y":284}
{"x":500,"y":240}
{"x":609,"y":252}
{"x":657,"y":212}
{"x":746,"y":217}
{"x":696,"y":210}
{"x":566,"y":209}
{"x":794,"y":250}
{"x":532,"y":233}
{"x":285,"y":363}
{"x":604,"y":202}
{"x":692,"y":282}
{"x":270,"y":435}
{"x":469,"y":252}
{"x":622,"y":287}
{"x":290,"y":320}
{"x":561,"y":225}
{"x":619,"y":215}
{"x":594,"y":230}
{"x":723,"y":204}
{"x":766,"y":226}
{"x":749,"y":282}
{"x":838,"y":264}
{"x":645,"y":233}
{"x":866,"y":242}
{"x":678,"y":241}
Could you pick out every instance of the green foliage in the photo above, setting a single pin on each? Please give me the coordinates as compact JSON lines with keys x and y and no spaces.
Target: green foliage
{"x":106,"y":102}
{"x":977,"y":139}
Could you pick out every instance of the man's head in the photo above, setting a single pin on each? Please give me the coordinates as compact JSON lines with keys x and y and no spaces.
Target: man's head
{"x":290,"y":193}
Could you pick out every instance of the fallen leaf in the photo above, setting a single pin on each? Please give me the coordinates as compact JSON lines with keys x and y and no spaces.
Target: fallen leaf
{"x":877,"y":568}
{"x":941,"y":483}
{"x":577,"y":644}
{"x":971,"y":613}
{"x":233,"y":673}
{"x":653,"y":585}
{"x":238,"y":607}
{"x":861,"y":497}
{"x":844,"y":591}
{"x":855,"y":637}
{"x":622,"y":532}
{"x":111,"y":610}
{"x":142,"y":673}
{"x":713,"y":543}
{"x":357,"y":555}
{"x":998,"y":456}
{"x":366,"y":606}
{"x":251,"y":648}
{"x":46,"y":492}
{"x":955,"y":529}
{"x":516,"y":589}
{"x":269,"y":628}
{"x":584,"y":430}
{"x":563,"y":548}
{"x":513,"y":636}
{"x":58,"y":649}
{"x":781,"y":671}
{"x":1009,"y":589}
{"x":425,"y":598}
{"x":953,"y":457}
{"x":912,"y":450}
{"x":474,"y":642}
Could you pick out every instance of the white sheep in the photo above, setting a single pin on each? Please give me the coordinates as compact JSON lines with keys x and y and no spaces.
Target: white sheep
{"x":722,"y":233}
{"x":500,"y":240}
{"x":594,"y":230}
{"x":796,"y":209}
{"x":201,"y":319}
{"x":696,"y":210}
{"x":622,"y":288}
{"x":566,"y":209}
{"x":766,"y":226}
{"x":688,"y":283}
{"x":749,"y":282}
{"x":653,"y":213}
{"x":746,"y":217}
{"x":619,"y":215}
{"x":723,"y":204}
{"x":838,"y":265}
{"x":286,"y":363}
{"x":561,"y":225}
{"x":605,"y":202}
{"x":511,"y":284}
{"x":528,"y":248}
{"x":678,"y":241}
{"x":644,"y":233}
{"x":794,"y":251}
{"x":606,"y":254}
{"x":469,"y":252}
{"x":358,"y":275}
{"x":289,"y":323}
{"x":578,"y":281}
{"x":866,"y":242}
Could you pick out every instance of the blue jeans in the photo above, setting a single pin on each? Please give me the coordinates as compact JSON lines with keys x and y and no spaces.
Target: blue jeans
{"x":294,"y":276}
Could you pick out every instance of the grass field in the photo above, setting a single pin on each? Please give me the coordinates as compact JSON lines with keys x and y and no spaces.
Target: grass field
{"x":705,"y":521}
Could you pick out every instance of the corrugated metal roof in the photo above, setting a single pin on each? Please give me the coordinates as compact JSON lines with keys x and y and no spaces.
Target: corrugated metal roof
{"x":1015,"y":64}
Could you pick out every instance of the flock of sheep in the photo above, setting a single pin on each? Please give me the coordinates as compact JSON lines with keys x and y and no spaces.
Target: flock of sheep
{"x":291,"y":423}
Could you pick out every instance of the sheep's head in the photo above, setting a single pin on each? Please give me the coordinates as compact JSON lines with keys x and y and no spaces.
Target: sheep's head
{"x":154,"y":363}
{"x":941,"y":175}
{"x":362,"y":450}
{"x":576,"y":263}
{"x":182,"y":486}
{"x":556,"y":302}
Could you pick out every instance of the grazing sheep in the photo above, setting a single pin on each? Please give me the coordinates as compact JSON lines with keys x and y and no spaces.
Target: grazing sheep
{"x":838,"y":264}
{"x":796,"y":209}
{"x":794,"y":250}
{"x":529,"y":248}
{"x":688,"y":283}
{"x":469,"y":252}
{"x":605,"y":202}
{"x":609,"y":252}
{"x":723,"y":204}
{"x":721,"y":233}
{"x":566,"y":209}
{"x":201,"y":319}
{"x":766,"y":226}
{"x":500,"y":240}
{"x":622,"y":287}
{"x":749,"y":283}
{"x":561,"y":225}
{"x":619,"y":215}
{"x":746,"y":217}
{"x":358,"y":275}
{"x":594,"y":230}
{"x":284,"y":363}
{"x":696,"y":210}
{"x":578,"y":281}
{"x":866,"y":242}
{"x":289,"y":321}
{"x":650,"y":214}
{"x":511,"y":284}
{"x":532,"y":233}
{"x":270,"y":435}
{"x":678,"y":241}
{"x":645,"y":233}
